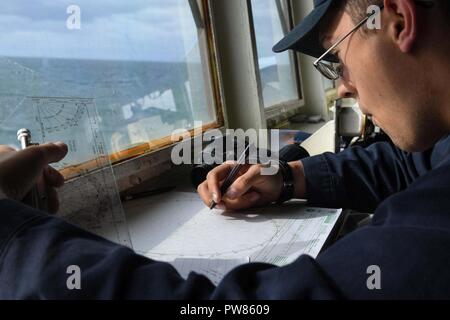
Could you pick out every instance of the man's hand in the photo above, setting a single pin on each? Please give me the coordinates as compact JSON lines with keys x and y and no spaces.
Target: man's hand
{"x":250,"y":189}
{"x":21,"y":170}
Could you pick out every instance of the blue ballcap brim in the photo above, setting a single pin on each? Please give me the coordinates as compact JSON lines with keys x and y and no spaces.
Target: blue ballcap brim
{"x":304,"y":37}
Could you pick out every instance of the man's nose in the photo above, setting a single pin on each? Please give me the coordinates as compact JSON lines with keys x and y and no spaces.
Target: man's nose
{"x":346,"y":90}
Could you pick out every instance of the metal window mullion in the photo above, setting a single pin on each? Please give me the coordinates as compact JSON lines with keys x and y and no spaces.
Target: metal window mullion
{"x":283,"y":16}
{"x":196,"y":14}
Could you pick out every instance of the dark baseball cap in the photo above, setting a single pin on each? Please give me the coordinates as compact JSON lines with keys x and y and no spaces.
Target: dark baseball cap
{"x":305,"y":36}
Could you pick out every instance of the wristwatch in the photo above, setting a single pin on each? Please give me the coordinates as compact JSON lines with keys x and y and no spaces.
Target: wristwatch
{"x":287,"y":193}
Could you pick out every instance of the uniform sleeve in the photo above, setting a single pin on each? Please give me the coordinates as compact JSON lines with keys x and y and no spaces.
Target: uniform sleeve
{"x":37,"y":252}
{"x":361,"y":179}
{"x":408,"y":244}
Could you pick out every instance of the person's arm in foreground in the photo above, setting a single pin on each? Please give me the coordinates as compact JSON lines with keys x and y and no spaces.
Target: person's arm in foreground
{"x":357,"y":178}
{"x":36,"y":251}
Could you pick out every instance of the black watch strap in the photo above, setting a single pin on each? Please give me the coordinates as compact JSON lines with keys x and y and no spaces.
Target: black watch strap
{"x":287,"y":192}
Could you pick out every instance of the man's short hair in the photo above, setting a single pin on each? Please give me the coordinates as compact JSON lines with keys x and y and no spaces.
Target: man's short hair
{"x":357,"y":9}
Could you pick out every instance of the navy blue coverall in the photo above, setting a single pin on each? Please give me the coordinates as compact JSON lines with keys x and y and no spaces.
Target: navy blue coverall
{"x":409,"y":240}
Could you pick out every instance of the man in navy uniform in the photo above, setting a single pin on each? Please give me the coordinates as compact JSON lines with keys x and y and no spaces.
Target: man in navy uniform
{"x":399,"y":74}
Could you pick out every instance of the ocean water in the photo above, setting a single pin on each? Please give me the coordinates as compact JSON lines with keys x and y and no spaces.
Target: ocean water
{"x":136,"y":101}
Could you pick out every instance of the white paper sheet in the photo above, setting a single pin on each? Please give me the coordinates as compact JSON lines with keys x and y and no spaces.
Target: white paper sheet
{"x":214,"y":269}
{"x":179,"y":226}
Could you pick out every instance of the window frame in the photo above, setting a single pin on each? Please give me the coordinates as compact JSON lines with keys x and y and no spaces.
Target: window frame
{"x":314,"y":93}
{"x":278,"y":113}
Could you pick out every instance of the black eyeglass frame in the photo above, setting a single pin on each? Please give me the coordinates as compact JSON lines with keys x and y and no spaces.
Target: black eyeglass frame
{"x":326,"y":68}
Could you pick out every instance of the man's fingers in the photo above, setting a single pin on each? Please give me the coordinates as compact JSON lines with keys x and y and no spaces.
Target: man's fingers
{"x":6,"y":152}
{"x":204,"y":193}
{"x":210,"y":189}
{"x":249,"y":200}
{"x":215,"y":176}
{"x":53,"y":152}
{"x":6,"y":149}
{"x":243,"y":183}
{"x":53,"y":178}
{"x":40,"y":156}
{"x":24,"y":168}
{"x":52,"y":200}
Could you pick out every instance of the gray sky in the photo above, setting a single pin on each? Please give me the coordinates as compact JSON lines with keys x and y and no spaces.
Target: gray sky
{"x":148,"y":30}
{"x":156,"y":30}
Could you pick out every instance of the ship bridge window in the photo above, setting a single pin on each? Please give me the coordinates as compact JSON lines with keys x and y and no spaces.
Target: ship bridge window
{"x":272,"y":19}
{"x":146,"y":64}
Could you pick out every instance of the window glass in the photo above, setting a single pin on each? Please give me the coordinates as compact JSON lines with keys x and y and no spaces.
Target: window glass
{"x":328,"y":84}
{"x":142,"y":62}
{"x":276,"y":70}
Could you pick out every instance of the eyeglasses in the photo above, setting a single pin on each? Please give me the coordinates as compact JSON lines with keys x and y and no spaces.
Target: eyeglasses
{"x":327,"y":69}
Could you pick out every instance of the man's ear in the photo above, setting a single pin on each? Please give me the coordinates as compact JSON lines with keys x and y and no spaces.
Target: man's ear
{"x":402,"y":23}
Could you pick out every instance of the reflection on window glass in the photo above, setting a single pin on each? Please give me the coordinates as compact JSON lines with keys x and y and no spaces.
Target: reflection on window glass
{"x":277,"y":72}
{"x":140,"y":60}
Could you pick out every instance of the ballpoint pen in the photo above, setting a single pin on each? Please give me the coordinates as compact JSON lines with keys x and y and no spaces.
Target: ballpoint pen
{"x":33,"y":198}
{"x":231,"y":176}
